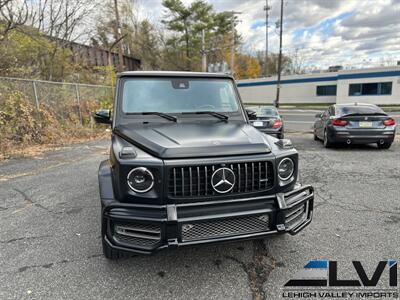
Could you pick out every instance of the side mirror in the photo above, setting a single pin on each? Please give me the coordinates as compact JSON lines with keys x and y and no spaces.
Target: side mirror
{"x":318,"y":115}
{"x":102,"y":116}
{"x":251,"y":114}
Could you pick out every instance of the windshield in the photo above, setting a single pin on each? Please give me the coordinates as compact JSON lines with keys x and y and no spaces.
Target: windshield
{"x":265,"y":111}
{"x":359,"y":109}
{"x":178,"y":95}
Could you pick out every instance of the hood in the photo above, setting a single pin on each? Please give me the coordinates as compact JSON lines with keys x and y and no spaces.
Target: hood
{"x":189,"y":140}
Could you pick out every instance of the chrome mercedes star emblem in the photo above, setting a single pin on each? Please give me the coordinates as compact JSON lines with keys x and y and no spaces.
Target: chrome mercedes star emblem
{"x":223,"y":180}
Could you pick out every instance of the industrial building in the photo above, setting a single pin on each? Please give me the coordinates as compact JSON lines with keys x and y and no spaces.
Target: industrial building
{"x":372,"y":85}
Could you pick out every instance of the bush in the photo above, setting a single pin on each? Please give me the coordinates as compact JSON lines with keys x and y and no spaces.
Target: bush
{"x":22,"y":124}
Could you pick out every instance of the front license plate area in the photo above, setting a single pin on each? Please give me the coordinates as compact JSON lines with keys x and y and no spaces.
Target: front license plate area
{"x":365,"y":124}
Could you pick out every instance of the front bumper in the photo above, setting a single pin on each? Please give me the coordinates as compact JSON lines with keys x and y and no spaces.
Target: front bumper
{"x":146,"y":229}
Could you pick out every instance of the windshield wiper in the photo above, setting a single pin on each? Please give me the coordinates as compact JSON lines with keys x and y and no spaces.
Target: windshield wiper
{"x":211,"y":113}
{"x":160,"y":114}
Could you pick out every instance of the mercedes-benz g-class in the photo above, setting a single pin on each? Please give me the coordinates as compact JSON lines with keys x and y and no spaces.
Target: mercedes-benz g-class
{"x":186,"y":167}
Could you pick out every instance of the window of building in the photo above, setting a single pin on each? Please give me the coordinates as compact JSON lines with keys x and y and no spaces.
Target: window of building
{"x":326,"y":90}
{"x":376,"y":88}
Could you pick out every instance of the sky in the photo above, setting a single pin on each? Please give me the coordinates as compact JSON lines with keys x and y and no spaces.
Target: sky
{"x":320,"y":33}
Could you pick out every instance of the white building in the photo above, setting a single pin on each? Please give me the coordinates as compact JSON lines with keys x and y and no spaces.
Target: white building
{"x":373,"y":85}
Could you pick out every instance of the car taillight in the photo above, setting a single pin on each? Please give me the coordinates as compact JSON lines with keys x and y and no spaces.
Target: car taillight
{"x":338,"y":122}
{"x":389,"y":122}
{"x":278,"y":123}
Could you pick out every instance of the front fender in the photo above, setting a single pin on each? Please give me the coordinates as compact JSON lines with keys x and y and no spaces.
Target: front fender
{"x":105,"y":181}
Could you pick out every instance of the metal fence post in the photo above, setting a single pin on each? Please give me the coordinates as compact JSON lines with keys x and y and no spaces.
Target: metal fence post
{"x":78,"y":100}
{"x":36,"y":95}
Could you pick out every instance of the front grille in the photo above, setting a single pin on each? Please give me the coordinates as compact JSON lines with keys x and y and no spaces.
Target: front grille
{"x":296,"y":216}
{"x":224,"y":227}
{"x":195,"y":181}
{"x":137,"y":234}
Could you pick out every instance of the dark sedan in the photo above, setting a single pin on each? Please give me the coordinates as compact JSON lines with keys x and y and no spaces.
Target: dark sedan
{"x":267,"y":120}
{"x":355,"y":123}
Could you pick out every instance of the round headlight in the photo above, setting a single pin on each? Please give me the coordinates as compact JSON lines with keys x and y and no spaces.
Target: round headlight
{"x":285,"y":169}
{"x":140,"y":180}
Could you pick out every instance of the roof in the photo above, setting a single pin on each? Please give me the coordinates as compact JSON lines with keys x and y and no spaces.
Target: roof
{"x":355,"y":104}
{"x":174,"y":74}
{"x":392,"y":71}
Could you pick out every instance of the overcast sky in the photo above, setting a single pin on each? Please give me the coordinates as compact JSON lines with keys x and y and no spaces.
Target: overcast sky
{"x":323,"y":32}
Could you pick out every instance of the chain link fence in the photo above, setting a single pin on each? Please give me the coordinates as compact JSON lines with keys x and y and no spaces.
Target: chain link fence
{"x":67,"y":101}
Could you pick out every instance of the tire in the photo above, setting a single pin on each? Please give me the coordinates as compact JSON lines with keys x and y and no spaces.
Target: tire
{"x":327,"y":142}
{"x":315,"y":137}
{"x":385,"y":145}
{"x":281,"y":136}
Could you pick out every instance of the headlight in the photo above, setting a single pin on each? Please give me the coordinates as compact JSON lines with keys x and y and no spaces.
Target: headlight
{"x":285,"y":169}
{"x":140,"y":180}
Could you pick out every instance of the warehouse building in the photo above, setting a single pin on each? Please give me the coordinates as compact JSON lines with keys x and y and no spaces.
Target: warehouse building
{"x":373,"y":85}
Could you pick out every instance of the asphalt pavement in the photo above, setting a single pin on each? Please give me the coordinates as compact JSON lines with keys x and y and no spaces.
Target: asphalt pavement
{"x":50,"y":245}
{"x":300,"y":120}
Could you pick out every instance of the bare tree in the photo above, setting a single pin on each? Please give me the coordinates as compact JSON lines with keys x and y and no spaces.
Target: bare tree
{"x":60,"y":21}
{"x":12,"y":15}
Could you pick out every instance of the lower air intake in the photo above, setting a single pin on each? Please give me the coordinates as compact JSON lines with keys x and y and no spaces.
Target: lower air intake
{"x":296,"y":216}
{"x":224,"y":227}
{"x":136,"y":234}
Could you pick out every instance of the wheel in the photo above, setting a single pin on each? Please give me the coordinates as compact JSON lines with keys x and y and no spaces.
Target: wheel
{"x":281,"y":136}
{"x":315,"y":137}
{"x":110,"y":253}
{"x":385,"y":145}
{"x":327,"y":142}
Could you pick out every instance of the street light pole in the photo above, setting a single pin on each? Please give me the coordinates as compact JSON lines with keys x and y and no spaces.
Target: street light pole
{"x":278,"y":84}
{"x":203,"y":52}
{"x":233,"y":41}
{"x":266,"y":8}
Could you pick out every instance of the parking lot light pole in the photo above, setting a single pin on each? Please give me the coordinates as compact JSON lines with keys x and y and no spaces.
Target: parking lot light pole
{"x":233,"y":41}
{"x":278,"y":84}
{"x":266,"y":8}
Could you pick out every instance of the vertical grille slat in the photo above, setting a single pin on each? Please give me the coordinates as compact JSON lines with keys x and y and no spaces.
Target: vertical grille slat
{"x":175,"y":182}
{"x":235,"y":175}
{"x":206,"y":179}
{"x":266,"y":174}
{"x":240,"y":178}
{"x":198,"y":181}
{"x":183,"y":181}
{"x":190,"y":181}
{"x":245,"y":176}
{"x":252,"y":176}
{"x":195,"y":181}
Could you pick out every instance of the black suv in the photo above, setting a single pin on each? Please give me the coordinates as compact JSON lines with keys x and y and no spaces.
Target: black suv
{"x":186,"y":167}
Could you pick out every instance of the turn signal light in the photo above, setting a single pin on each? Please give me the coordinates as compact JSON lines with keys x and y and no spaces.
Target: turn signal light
{"x":278,"y":123}
{"x":338,"y":122}
{"x":389,"y":122}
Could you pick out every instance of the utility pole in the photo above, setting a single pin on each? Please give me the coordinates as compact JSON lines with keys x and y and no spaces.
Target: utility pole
{"x":203,"y":52}
{"x":266,"y":8}
{"x":278,"y":84}
{"x":233,"y":41}
{"x":117,"y":37}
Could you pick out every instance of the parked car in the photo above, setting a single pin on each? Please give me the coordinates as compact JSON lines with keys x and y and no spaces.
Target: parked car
{"x":186,"y":167}
{"x":268,"y":120}
{"x":355,"y":123}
